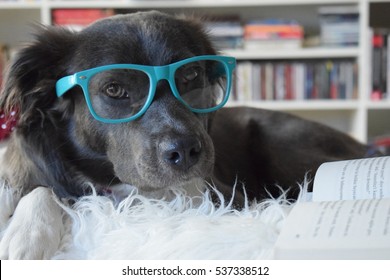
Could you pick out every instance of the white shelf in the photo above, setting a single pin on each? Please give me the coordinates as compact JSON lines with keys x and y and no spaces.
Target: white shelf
{"x":304,"y":53}
{"x":301,"y":105}
{"x":19,"y":5}
{"x":375,"y":105}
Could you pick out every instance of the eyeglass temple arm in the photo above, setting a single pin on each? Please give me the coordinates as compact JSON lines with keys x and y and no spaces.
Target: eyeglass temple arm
{"x":64,"y":84}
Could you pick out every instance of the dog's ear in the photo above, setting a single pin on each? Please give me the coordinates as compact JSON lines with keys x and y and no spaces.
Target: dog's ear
{"x":29,"y":84}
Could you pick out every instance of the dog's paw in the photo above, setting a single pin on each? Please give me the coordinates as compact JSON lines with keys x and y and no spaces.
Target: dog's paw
{"x":35,"y":229}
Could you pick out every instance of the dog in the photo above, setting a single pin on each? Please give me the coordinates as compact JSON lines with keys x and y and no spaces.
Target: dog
{"x":62,"y":146}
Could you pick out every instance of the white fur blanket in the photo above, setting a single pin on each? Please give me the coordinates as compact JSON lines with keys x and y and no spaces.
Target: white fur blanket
{"x":183,"y":228}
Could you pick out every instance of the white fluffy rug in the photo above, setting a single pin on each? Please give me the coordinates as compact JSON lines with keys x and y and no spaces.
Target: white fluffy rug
{"x":182,"y":228}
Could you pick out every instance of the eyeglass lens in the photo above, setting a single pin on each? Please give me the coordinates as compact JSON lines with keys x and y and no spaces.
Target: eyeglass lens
{"x":118,"y":93}
{"x":202,"y":84}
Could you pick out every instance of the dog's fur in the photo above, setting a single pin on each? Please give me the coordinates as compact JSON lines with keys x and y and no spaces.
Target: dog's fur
{"x":59,"y":145}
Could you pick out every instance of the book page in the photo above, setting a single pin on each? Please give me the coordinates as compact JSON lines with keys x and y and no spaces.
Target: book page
{"x":344,"y":229}
{"x":353,"y":179}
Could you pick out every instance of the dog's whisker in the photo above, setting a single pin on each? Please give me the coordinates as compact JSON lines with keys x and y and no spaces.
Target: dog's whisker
{"x":111,"y":183}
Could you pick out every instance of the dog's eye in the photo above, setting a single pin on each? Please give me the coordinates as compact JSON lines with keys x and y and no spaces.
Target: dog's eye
{"x":114,"y":90}
{"x":190,"y":74}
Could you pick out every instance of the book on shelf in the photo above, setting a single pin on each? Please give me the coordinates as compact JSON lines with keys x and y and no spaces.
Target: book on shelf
{"x":226,"y":32}
{"x":273,"y":33}
{"x":303,"y":80}
{"x":339,"y":25}
{"x":348,"y":216}
{"x":380,"y":64}
{"x":79,"y":18}
{"x":380,"y":143}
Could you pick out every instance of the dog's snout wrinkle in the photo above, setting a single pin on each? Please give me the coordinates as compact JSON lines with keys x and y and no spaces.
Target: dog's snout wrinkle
{"x":182,"y":153}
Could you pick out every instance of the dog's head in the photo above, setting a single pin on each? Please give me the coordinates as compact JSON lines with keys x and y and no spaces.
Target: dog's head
{"x":168,"y":145}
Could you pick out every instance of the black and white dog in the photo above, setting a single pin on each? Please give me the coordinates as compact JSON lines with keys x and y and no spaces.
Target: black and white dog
{"x":136,"y":103}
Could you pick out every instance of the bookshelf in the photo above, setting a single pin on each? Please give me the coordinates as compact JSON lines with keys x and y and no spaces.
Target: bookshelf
{"x":362,"y":118}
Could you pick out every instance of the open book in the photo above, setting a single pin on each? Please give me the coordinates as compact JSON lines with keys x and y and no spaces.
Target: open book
{"x":348,"y":217}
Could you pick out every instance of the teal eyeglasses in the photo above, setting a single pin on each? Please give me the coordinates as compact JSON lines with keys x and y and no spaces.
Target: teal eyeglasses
{"x":119,"y":93}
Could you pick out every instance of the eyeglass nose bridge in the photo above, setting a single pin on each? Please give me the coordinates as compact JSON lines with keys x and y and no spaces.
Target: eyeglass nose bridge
{"x":165,"y":73}
{"x":162,"y":72}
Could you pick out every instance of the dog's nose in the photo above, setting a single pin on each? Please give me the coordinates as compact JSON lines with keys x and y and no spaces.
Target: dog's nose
{"x":182,"y":153}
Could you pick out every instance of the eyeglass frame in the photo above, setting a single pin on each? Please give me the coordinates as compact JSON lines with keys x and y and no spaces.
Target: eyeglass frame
{"x":155,"y":74}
